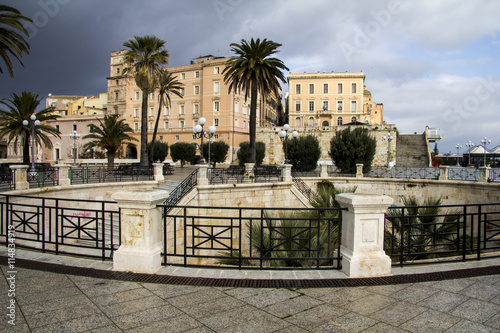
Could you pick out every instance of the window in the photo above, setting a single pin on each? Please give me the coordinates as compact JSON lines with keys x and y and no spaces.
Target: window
{"x":353,"y":119}
{"x":166,"y":125}
{"x":311,"y":121}
{"x":136,"y":95}
{"x":151,"y":112}
{"x":181,"y":110}
{"x":325,"y":105}
{"x":297,"y":88}
{"x":118,"y":70}
{"x":182,"y":91}
{"x":58,"y":154}
{"x":152,"y":95}
{"x":236,"y":123}
{"x":216,"y":70}
{"x":297,"y":106}
{"x":216,"y":136}
{"x":136,"y":126}
{"x":161,"y":137}
{"x":325,"y":88}
{"x":216,"y":106}
{"x":183,"y":76}
{"x":197,"y":74}
{"x":117,"y":82}
{"x":196,"y":90}
{"x":181,"y":124}
{"x":311,"y":88}
{"x":339,"y":88}
{"x":311,"y":105}
{"x":244,"y":124}
{"x":353,"y":88}
{"x":166,"y":111}
{"x":75,"y":127}
{"x":325,"y":123}
{"x":57,"y":128}
{"x":216,"y":87}
{"x":194,"y":137}
{"x":339,"y":105}
{"x":176,"y":138}
{"x":353,"y":106}
{"x":136,"y":113}
{"x":151,"y":126}
{"x":339,"y":121}
{"x":116,"y":95}
{"x":196,"y":108}
{"x":297,"y":121}
{"x":216,"y":122}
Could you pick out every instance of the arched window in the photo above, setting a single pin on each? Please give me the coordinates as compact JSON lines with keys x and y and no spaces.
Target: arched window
{"x":297,"y":121}
{"x":311,"y":121}
{"x":353,"y":119}
{"x":339,"y":121}
{"x":325,"y":123}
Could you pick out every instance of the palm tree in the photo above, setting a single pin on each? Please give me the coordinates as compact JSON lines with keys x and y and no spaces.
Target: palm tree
{"x":144,"y":56}
{"x":11,"y":36}
{"x":110,"y":135}
{"x":21,"y":108}
{"x":252,"y":71}
{"x":167,"y":84}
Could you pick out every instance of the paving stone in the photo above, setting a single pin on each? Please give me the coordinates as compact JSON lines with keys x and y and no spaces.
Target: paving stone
{"x":292,"y":306}
{"x":386,"y":289}
{"x":316,"y":316}
{"x":467,"y":326}
{"x":108,"y":287}
{"x":272,"y":297}
{"x":167,"y":291}
{"x":48,"y":296}
{"x":107,"y":329}
{"x":232,"y":317}
{"x":242,"y":293}
{"x":176,"y":324}
{"x":146,"y":316}
{"x":55,"y":304}
{"x":383,"y":328}
{"x":44,"y":318}
{"x":453,"y":286}
{"x":209,"y":308}
{"x":201,"y":296}
{"x":443,"y":301}
{"x":136,"y":305}
{"x":430,"y":321}
{"x":76,"y":325}
{"x":495,"y":300}
{"x":351,"y":322}
{"x":494,"y":321}
{"x":258,"y":325}
{"x":369,"y":304}
{"x":482,"y":291}
{"x":343,"y":296}
{"x":398,"y":313}
{"x":122,"y":296}
{"x":414,"y":293}
{"x":292,"y":329}
{"x":476,"y":310}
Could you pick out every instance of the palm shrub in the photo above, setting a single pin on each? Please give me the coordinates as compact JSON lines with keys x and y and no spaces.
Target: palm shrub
{"x":244,"y":153}
{"x":422,"y":230}
{"x":348,"y":148}
{"x":303,"y":152}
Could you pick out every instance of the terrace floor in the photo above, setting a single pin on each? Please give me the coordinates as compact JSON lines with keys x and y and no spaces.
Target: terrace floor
{"x":57,"y":293}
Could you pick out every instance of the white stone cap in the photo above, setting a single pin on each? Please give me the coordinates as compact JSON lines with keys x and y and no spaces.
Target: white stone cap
{"x":140,"y":197}
{"x":356,"y":201}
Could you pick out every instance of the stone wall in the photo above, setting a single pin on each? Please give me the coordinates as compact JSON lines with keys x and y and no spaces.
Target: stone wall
{"x":274,"y":146}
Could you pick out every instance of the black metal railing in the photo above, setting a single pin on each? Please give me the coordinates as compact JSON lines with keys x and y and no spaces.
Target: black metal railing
{"x":267,"y":173}
{"x":252,"y":238}
{"x":333,"y":171}
{"x":6,"y":179}
{"x":78,"y":227}
{"x":405,"y":173}
{"x":232,"y":174}
{"x":446,"y":233}
{"x":312,"y":173}
{"x":98,"y":174}
{"x":47,"y":176}
{"x":463,"y":174}
{"x":181,"y":190}
{"x":303,"y":187}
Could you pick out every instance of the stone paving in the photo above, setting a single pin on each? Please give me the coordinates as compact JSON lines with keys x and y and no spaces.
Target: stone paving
{"x":52,"y":302}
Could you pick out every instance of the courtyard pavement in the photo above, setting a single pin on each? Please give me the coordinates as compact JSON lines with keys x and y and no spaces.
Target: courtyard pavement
{"x":55,"y":302}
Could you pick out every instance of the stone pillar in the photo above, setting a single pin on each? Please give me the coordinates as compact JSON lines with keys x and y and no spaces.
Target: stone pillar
{"x":63,"y":174}
{"x":21,"y":176}
{"x":287,"y":173}
{"x":203,"y":174}
{"x":158,"y":172}
{"x":324,"y":170}
{"x":484,"y":174}
{"x":359,"y":170}
{"x":362,"y":245}
{"x":249,"y":170}
{"x":443,"y":172}
{"x":141,"y":231}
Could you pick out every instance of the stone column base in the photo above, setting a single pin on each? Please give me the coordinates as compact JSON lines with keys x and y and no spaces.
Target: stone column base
{"x":137,"y":260}
{"x":365,"y":265}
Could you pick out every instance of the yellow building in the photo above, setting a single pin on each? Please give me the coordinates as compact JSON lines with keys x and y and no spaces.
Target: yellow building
{"x":204,"y":95}
{"x":330,"y":99}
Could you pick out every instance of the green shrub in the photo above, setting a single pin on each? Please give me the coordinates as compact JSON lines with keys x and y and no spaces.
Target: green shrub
{"x":244,"y":152}
{"x":348,"y":148}
{"x":218,"y":152}
{"x":160,"y":152}
{"x":303,"y":152}
{"x":182,"y":151}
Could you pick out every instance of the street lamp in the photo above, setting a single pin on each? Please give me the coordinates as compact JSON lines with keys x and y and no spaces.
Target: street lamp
{"x":283,"y":135}
{"x":199,"y":133}
{"x":458,"y":146}
{"x":74,"y":136}
{"x":469,"y":145}
{"x":34,"y":123}
{"x":388,"y":139}
{"x":211,"y":133}
{"x":485,"y":142}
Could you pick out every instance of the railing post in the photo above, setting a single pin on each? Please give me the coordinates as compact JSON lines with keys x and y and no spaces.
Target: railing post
{"x":158,"y":172}
{"x":484,"y":174}
{"x":249,"y":170}
{"x":141,"y":231}
{"x":21,"y":176}
{"x":362,"y":246}
{"x":63,"y":171}
{"x":287,"y":173}
{"x":203,"y":174}
{"x":443,"y":172}
{"x":324,"y":170}
{"x":359,"y":170}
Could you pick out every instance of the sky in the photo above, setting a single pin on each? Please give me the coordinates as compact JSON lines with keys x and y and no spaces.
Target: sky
{"x":429,"y":62}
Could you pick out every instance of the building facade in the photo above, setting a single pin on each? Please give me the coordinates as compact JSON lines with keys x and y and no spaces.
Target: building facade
{"x":330,"y":99}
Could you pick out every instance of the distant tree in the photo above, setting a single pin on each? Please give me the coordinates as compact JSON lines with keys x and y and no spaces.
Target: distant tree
{"x":159,"y":151}
{"x":182,"y":151}
{"x":20,"y":108}
{"x":218,"y":152}
{"x":303,"y":152}
{"x":12,"y":40}
{"x":436,"y":150}
{"x":244,"y":153}
{"x":109,"y":135}
{"x":348,"y":148}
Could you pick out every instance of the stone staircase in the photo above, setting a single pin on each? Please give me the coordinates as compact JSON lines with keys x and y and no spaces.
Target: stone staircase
{"x":412,"y":151}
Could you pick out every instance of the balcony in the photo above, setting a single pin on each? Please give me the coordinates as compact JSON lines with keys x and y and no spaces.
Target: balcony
{"x":196,"y":115}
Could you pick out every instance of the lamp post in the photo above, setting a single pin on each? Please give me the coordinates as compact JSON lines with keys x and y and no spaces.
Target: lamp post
{"x":469,"y":146}
{"x":199,"y":133}
{"x":485,"y":142}
{"x":388,"y":139}
{"x":283,"y":135}
{"x":458,"y":146}
{"x":34,"y":123}
{"x":211,"y":133}
{"x":74,"y":136}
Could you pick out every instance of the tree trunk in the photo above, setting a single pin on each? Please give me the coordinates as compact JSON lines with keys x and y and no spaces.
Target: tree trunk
{"x":253,"y":122}
{"x":151,"y":153}
{"x":26,"y":149}
{"x":144,"y":129}
{"x":111,"y":160}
